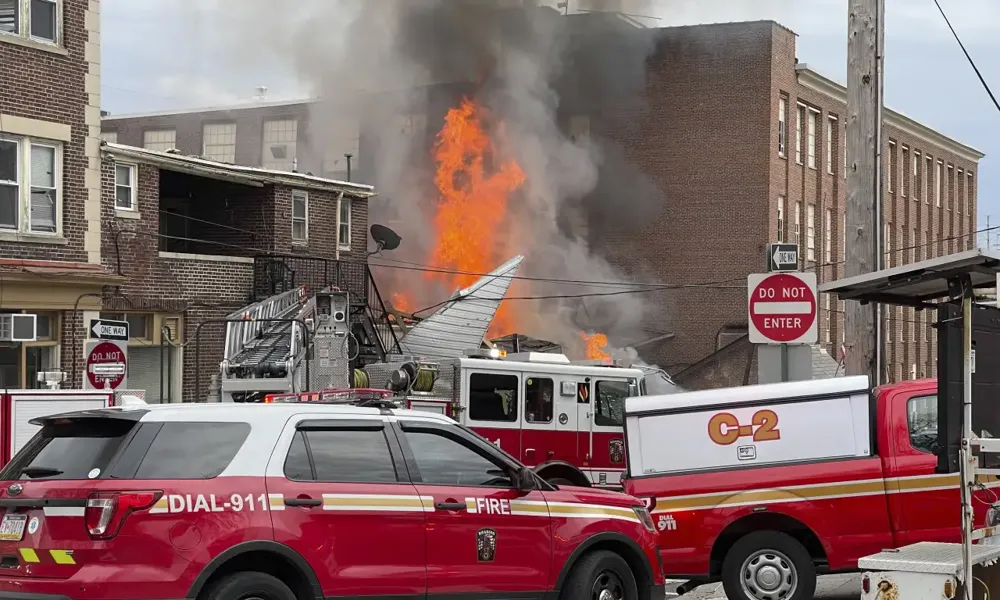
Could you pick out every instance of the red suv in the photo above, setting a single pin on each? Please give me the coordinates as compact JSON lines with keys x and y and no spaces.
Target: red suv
{"x":302,"y":502}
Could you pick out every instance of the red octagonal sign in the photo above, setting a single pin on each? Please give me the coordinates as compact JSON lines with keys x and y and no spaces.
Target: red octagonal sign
{"x":782,"y":308}
{"x":105,"y":353}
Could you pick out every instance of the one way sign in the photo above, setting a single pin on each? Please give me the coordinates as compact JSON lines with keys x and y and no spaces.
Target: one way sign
{"x":782,"y":257}
{"x":104,"y":329}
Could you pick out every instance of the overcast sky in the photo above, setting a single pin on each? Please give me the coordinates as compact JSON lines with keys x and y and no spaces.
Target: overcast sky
{"x":158,"y":55}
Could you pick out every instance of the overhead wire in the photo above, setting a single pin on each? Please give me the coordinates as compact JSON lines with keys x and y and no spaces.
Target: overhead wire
{"x":968,"y":57}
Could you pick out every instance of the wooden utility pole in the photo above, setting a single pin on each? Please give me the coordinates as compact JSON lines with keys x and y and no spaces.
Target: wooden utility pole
{"x":866,"y":26}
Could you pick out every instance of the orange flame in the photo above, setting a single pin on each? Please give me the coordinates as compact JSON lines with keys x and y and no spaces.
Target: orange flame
{"x":596,"y":345}
{"x":400,"y":302}
{"x":472,"y":206}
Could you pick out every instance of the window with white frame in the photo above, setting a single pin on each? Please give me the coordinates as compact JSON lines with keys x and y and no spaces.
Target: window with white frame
{"x":782,"y":125}
{"x":899,"y":328}
{"x":345,"y":223}
{"x":160,"y":140}
{"x":827,"y":318}
{"x":798,"y":220}
{"x":843,"y":236}
{"x":781,"y":218}
{"x":810,"y":233}
{"x":110,"y":137}
{"x":831,"y":124}
{"x":904,"y":162}
{"x":960,"y":182}
{"x":300,"y":216}
{"x":926,"y":247}
{"x":811,"y":139}
{"x":844,"y":146}
{"x":890,"y":162}
{"x":913,"y":370}
{"x":799,"y":117}
{"x":125,"y":187}
{"x":828,"y":238}
{"x":30,"y":190}
{"x":219,"y":142}
{"x":938,"y":183}
{"x":925,"y":325}
{"x":36,"y":20}
{"x":918,"y":180}
{"x":913,"y":246}
{"x":280,"y":142}
{"x":888,"y":245}
{"x":930,"y":182}
{"x":951,"y":187}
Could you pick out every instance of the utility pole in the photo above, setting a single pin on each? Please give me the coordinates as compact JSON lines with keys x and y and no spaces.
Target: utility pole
{"x":864,"y":253}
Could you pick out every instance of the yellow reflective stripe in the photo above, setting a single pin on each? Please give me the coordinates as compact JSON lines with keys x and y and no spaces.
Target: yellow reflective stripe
{"x":62,"y":557}
{"x":29,"y":555}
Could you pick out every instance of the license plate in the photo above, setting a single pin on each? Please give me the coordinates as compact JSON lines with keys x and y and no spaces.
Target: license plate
{"x":12,"y":528}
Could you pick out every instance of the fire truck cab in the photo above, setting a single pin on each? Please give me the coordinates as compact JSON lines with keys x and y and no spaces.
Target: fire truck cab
{"x":562,"y":418}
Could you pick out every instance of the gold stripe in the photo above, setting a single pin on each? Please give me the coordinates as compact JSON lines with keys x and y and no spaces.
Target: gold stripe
{"x":161,"y":503}
{"x":773,"y":495}
{"x":276,"y":501}
{"x":529,"y":508}
{"x":29,"y":555}
{"x":62,"y":557}
{"x":592,"y":510}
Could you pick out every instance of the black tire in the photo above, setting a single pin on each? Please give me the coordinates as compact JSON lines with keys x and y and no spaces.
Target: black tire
{"x":246,"y":584}
{"x":784,"y":559}
{"x":560,"y":481}
{"x":598,"y":570}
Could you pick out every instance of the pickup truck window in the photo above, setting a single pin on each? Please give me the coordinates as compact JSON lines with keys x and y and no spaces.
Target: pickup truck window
{"x":922,"y":420}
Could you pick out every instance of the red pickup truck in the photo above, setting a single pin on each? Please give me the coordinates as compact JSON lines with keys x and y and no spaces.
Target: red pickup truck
{"x":764,"y":487}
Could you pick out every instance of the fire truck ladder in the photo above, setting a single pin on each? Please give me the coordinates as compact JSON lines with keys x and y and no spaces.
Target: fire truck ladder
{"x":261,"y":356}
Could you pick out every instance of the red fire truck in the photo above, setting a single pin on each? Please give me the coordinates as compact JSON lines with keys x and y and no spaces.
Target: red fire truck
{"x":561,"y":417}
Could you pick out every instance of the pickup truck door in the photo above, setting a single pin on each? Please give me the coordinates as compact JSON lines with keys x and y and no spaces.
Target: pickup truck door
{"x":923,"y":504}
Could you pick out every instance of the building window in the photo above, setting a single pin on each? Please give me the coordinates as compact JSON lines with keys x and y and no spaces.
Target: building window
{"x":159,"y":140}
{"x":843,"y":236}
{"x":913,"y":371}
{"x":219,"y":142}
{"x":827,"y":318}
{"x":782,"y":125}
{"x":925,"y":325}
{"x":930,"y":181}
{"x":913,"y":246}
{"x":899,"y":319}
{"x":951,"y":187}
{"x":280,"y":140}
{"x":41,"y":16}
{"x":300,"y":216}
{"x":140,"y":325}
{"x":961,"y":193}
{"x":830,"y":126}
{"x":798,"y":220}
{"x":811,"y":149}
{"x":904,"y":182}
{"x":938,"y":183}
{"x":125,"y":186}
{"x":781,"y":218}
{"x":891,"y":164}
{"x":345,"y":224}
{"x":799,"y":117}
{"x":810,"y":233}
{"x":30,"y":177}
{"x":888,"y":245}
{"x":828,"y":238}
{"x":918,"y":182}
{"x":110,"y":137}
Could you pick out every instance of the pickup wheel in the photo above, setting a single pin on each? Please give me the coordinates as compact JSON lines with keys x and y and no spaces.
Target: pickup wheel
{"x":248,"y":585}
{"x":768,"y":565}
{"x":601,"y":575}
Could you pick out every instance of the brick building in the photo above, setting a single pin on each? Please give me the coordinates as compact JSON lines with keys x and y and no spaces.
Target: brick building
{"x":195,"y":240}
{"x":745,"y":143}
{"x":50,"y":218}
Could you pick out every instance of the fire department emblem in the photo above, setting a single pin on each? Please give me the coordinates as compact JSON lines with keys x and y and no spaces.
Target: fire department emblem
{"x":616,"y":448}
{"x":486,"y":545}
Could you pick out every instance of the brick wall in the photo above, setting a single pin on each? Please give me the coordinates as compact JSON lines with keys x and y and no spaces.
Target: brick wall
{"x":50,"y":86}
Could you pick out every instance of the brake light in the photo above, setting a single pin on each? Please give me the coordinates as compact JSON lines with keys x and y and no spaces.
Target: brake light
{"x":106,"y":511}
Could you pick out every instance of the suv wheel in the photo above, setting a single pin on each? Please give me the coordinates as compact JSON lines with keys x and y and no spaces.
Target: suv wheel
{"x":601,"y":575}
{"x":249,"y":586}
{"x":768,"y":565}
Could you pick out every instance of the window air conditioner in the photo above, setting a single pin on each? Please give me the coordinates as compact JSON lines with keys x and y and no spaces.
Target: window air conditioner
{"x":18,"y":328}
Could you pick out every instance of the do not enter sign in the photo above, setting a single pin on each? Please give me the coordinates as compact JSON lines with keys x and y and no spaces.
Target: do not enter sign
{"x":107,"y":365}
{"x":782,"y":308}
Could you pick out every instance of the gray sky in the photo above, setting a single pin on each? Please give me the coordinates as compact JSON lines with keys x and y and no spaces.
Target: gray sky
{"x":158,"y":55}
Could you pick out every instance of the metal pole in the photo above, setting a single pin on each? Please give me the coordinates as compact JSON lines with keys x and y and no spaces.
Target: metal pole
{"x":863,"y":245}
{"x":967,"y":461}
{"x":784,"y":362}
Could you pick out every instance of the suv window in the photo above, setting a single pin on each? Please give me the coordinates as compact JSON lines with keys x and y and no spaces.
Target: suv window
{"x":186,"y":450}
{"x":340,"y":455}
{"x":538,"y":400}
{"x":78,"y":449}
{"x":445,"y":461}
{"x":922,"y":420}
{"x":493,"y":397}
{"x":610,"y":404}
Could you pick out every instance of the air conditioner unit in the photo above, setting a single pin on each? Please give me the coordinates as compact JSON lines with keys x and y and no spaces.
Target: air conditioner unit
{"x":18,"y":328}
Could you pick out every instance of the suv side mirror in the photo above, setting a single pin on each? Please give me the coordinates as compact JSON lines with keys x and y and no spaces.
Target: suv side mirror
{"x":524,"y":479}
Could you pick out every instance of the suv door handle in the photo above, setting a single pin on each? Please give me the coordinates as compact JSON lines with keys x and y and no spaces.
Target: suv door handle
{"x":450,"y":505}
{"x":303,"y":501}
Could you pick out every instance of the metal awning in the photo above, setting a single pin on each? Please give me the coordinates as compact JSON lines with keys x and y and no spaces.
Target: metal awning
{"x":920,"y":283}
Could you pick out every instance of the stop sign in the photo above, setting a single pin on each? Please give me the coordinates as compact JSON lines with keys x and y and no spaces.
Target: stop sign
{"x":107,"y":354}
{"x":782,"y":308}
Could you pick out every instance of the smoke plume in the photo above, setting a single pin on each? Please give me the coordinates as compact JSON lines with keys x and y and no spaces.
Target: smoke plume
{"x":534,"y":69}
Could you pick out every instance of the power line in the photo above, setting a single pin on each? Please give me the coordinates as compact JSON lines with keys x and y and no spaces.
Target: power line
{"x":967,"y":56}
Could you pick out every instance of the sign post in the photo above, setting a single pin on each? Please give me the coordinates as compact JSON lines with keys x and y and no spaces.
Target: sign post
{"x":107,"y":365}
{"x":782,"y":317}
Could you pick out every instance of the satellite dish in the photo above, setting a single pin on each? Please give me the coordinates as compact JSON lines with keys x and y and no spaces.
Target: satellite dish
{"x":386,"y":238}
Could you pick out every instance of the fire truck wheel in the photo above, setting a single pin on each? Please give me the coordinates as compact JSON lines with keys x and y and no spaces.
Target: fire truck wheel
{"x":601,"y":575}
{"x":768,"y":565}
{"x":560,"y":481}
{"x":248,"y":585}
